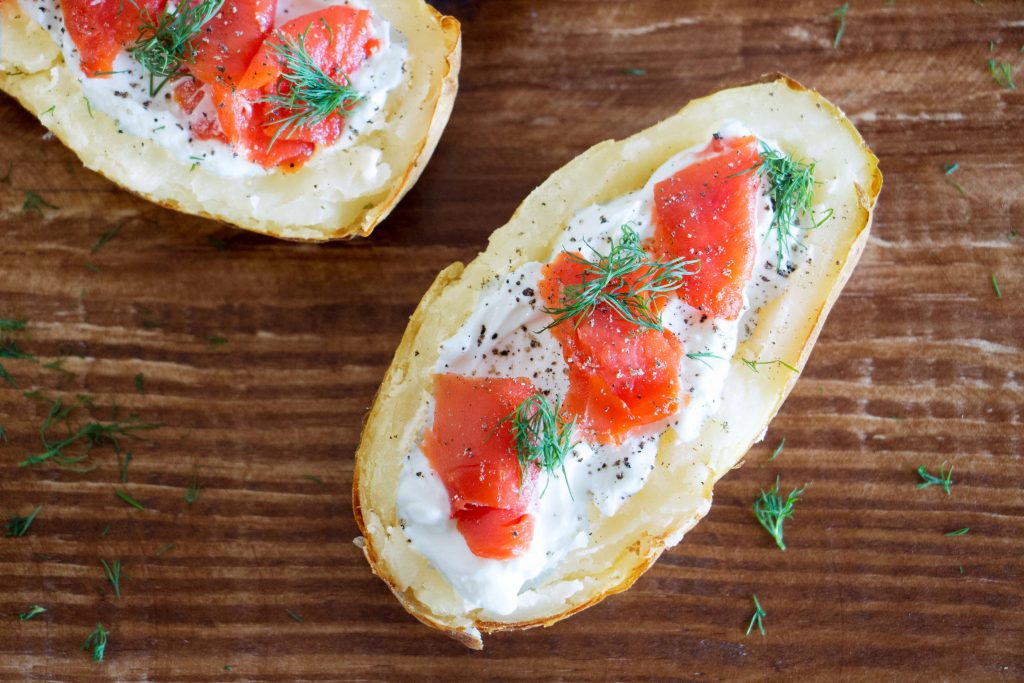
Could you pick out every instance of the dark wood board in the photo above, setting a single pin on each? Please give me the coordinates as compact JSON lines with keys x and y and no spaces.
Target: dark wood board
{"x":918,"y":364}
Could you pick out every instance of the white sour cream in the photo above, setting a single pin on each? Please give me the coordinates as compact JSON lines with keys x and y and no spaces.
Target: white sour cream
{"x":124,"y":95}
{"x":503,"y":337}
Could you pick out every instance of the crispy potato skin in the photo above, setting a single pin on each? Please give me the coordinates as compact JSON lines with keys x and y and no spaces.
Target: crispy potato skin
{"x":361,"y":214}
{"x":798,"y":320}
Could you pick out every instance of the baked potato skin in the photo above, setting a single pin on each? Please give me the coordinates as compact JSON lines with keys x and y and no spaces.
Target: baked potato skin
{"x":90,"y":131}
{"x":390,"y":426}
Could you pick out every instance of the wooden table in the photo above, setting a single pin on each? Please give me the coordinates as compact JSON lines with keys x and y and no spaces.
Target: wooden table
{"x":259,"y":359}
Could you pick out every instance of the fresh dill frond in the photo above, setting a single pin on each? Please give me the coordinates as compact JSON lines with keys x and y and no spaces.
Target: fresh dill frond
{"x":122,"y":465}
{"x":950,"y":169}
{"x":164,"y":45}
{"x":604,"y":282}
{"x":753,"y":364}
{"x":995,"y":287}
{"x":758,"y":618}
{"x":313,"y":478}
{"x":127,"y":497}
{"x":297,"y":618}
{"x":113,"y":575}
{"x":97,"y":642}
{"x":10,"y":349}
{"x":778,"y":449}
{"x":305,"y":95}
{"x":105,"y":532}
{"x":87,"y":436}
{"x":32,"y":611}
{"x":840,"y":13}
{"x":792,"y":194}
{"x":165,"y":549}
{"x":194,"y":488}
{"x":105,"y":237}
{"x":958,"y":532}
{"x":17,"y":325}
{"x":699,"y":357}
{"x":944,"y":478}
{"x":542,"y":436}
{"x":1002,"y":72}
{"x":34,"y":202}
{"x":18,"y":526}
{"x":772,"y":511}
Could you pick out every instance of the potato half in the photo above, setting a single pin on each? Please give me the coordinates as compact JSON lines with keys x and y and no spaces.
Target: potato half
{"x":319,"y":202}
{"x":678,"y":492}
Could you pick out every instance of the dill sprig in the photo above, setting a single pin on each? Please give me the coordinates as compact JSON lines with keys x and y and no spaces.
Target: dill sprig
{"x":1003,"y":73}
{"x":944,"y":479}
{"x":194,"y":488}
{"x":296,"y":617}
{"x":778,"y":449}
{"x":18,"y":526}
{"x":758,"y":618}
{"x":127,"y":498}
{"x":792,"y":194}
{"x":840,"y":13}
{"x":13,"y":325}
{"x":753,"y":364}
{"x":306,"y":95}
{"x":771,"y":510}
{"x":97,"y":642}
{"x":164,"y":44}
{"x":699,"y":357}
{"x":995,"y":287}
{"x":32,"y":611}
{"x":34,"y":202}
{"x":958,"y":532}
{"x":113,"y":575}
{"x":88,"y":435}
{"x":542,"y":436}
{"x":105,"y":237}
{"x":604,"y":282}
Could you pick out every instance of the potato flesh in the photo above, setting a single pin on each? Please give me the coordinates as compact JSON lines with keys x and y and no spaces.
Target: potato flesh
{"x":678,"y":492}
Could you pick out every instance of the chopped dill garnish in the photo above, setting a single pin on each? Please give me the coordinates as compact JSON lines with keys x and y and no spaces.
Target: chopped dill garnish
{"x":214,"y":340}
{"x":792,"y":194}
{"x":542,"y":436}
{"x":164,"y":44}
{"x":194,"y":488}
{"x":34,"y":202}
{"x":950,"y":169}
{"x":217,"y":243}
{"x":771,"y":511}
{"x":778,"y":449}
{"x":758,"y":618}
{"x":604,"y":282}
{"x":313,"y":478}
{"x":13,"y":325}
{"x":1002,"y":72}
{"x":752,"y":364}
{"x":97,"y":642}
{"x":126,"y":497}
{"x":699,"y":357}
{"x":995,"y":287}
{"x":105,"y":237}
{"x":113,"y":575}
{"x":635,"y":72}
{"x":88,"y":106}
{"x":306,"y":95}
{"x":52,"y":109}
{"x":88,"y":435}
{"x":165,"y":549}
{"x":105,"y":532}
{"x":32,"y":611}
{"x":944,"y":479}
{"x":18,"y":526}
{"x":139,"y":383}
{"x":10,"y":349}
{"x":229,"y":667}
{"x":297,"y":618}
{"x":840,"y":13}
{"x":122,"y":465}
{"x":958,"y":532}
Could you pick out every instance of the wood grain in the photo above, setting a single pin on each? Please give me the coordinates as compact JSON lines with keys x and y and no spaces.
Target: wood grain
{"x":919,"y":363}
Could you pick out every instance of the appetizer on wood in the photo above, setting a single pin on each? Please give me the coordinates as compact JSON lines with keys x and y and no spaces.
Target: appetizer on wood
{"x":302,"y":119}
